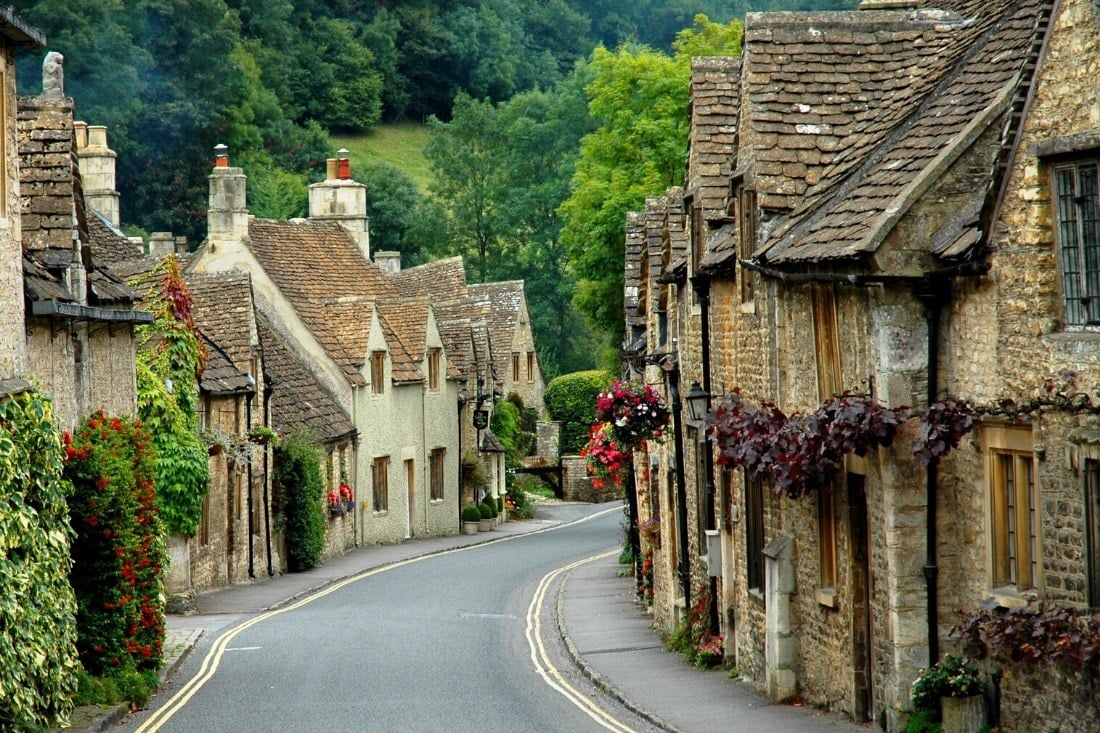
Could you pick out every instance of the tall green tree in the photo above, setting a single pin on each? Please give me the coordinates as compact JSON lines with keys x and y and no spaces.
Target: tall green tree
{"x":640,"y":98}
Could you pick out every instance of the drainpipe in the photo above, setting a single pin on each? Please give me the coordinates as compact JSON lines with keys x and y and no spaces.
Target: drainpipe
{"x":702,"y":289}
{"x":251,"y":500}
{"x":681,"y":490}
{"x":269,"y":388}
{"x":461,"y":404}
{"x":932,"y":293}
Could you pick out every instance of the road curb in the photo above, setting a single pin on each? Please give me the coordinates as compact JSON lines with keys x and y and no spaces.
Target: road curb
{"x":595,"y":677}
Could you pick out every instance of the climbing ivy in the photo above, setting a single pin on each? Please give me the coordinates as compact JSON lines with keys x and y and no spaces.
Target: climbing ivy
{"x":299,"y":490}
{"x":169,"y":363}
{"x":38,"y":659}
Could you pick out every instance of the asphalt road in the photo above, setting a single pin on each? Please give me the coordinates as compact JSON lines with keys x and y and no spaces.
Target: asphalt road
{"x":463,"y":641}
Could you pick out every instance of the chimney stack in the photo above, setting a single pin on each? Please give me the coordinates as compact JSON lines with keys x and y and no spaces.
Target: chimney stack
{"x":227,"y":216}
{"x":340,"y":199}
{"x":97,"y":170}
{"x":161,"y":244}
{"x":388,"y":261}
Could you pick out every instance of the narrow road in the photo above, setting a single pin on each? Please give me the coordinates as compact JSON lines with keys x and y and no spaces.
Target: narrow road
{"x":463,"y":641}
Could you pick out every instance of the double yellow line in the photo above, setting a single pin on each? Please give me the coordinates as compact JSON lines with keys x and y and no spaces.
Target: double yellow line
{"x":213,"y":658}
{"x":541,"y":659}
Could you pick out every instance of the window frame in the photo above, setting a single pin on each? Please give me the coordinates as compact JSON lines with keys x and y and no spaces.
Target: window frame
{"x":380,"y":485}
{"x":378,"y":372}
{"x":437,"y":460}
{"x":530,"y":366}
{"x":755,"y":572}
{"x":1078,"y":238}
{"x":1015,"y":559}
{"x":435,"y":360}
{"x":515,"y":366}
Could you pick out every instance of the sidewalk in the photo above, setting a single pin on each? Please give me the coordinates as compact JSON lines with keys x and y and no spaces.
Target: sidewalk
{"x":607,"y":634}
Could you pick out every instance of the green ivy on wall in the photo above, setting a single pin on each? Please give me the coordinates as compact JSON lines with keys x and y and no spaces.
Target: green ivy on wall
{"x":38,"y":658}
{"x":169,"y":361}
{"x":299,"y":490}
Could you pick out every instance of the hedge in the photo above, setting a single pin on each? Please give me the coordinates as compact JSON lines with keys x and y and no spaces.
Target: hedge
{"x":571,"y":399}
{"x":299,"y":493}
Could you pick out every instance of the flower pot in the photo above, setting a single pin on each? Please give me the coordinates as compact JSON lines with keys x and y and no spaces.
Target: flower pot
{"x":485,"y":525}
{"x":470,"y":527}
{"x":963,"y":714}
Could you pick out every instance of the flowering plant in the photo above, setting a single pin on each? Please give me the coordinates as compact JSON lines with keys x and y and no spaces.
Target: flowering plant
{"x":606,"y":456}
{"x":708,"y":653}
{"x":955,"y":676}
{"x":636,"y":412}
{"x":341,"y":500}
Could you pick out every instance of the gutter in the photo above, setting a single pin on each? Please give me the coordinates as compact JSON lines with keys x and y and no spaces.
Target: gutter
{"x":88,"y":312}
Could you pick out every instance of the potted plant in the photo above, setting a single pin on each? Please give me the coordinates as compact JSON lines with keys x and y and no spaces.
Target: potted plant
{"x":955,"y":689}
{"x":486,"y":517}
{"x":471,"y":517}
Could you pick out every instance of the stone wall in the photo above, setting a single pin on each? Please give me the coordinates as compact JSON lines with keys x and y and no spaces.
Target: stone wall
{"x":548,"y":436}
{"x":577,"y":485}
{"x":1049,"y":699}
{"x":13,"y":347}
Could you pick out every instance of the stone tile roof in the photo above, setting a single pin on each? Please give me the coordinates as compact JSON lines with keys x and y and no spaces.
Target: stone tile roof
{"x":866,"y":109}
{"x":220,"y":376}
{"x":223,"y":310}
{"x":322,"y":272}
{"x":634,"y":279}
{"x":715,"y":99}
{"x":441,"y":279}
{"x":298,"y":402}
{"x":109,"y":245}
{"x":405,"y":323}
{"x":500,"y":303}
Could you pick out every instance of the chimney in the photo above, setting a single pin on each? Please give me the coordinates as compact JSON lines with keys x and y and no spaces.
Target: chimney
{"x":227,"y":216}
{"x":388,"y":261}
{"x":161,"y":244}
{"x":340,"y":199}
{"x":97,"y":170}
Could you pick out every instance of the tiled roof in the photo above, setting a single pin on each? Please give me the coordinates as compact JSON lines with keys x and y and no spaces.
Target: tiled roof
{"x":857,"y":199}
{"x":109,"y":245}
{"x":441,"y":279}
{"x":223,"y":311}
{"x":715,"y":97}
{"x":501,"y":303}
{"x":219,"y":376}
{"x":297,"y":400}
{"x":404,"y":322}
{"x":323,"y":273}
{"x":633,"y":277}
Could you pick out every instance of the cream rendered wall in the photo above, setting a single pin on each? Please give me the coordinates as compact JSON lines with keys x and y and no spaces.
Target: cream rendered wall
{"x":440,"y":430}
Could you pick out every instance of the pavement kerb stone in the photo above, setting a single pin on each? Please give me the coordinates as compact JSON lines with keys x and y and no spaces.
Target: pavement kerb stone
{"x":595,"y":677}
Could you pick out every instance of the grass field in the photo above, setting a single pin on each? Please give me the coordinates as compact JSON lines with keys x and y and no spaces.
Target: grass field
{"x":400,"y":144}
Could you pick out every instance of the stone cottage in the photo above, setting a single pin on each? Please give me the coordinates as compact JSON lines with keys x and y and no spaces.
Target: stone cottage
{"x":892,"y":203}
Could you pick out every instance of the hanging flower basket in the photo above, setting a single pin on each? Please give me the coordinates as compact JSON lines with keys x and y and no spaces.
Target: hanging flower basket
{"x":606,"y":456}
{"x":635,"y":412}
{"x":341,"y":501}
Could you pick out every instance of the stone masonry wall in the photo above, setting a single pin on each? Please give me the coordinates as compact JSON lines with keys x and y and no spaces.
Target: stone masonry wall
{"x":13,"y":348}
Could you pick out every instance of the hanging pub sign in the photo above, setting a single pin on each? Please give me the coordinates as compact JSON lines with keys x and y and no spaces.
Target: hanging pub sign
{"x":481,"y":419}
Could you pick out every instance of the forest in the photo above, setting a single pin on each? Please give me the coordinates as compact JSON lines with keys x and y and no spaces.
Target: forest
{"x":548,"y":120}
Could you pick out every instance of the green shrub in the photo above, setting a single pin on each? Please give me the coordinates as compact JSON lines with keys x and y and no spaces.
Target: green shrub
{"x":492,"y":504}
{"x":922,"y":721}
{"x":134,"y":687}
{"x":299,"y":491}
{"x":96,"y":690}
{"x":571,"y":399}
{"x":485,"y":511}
{"x":118,"y":553}
{"x":517,"y":433}
{"x":471,"y":513}
{"x":38,"y":657}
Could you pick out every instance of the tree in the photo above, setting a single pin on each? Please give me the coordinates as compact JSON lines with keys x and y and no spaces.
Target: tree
{"x":640,"y":98}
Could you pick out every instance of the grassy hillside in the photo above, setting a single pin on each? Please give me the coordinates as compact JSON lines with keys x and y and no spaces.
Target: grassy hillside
{"x":400,"y":144}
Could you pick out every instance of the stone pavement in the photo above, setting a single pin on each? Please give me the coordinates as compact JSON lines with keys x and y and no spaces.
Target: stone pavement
{"x":606,"y":633}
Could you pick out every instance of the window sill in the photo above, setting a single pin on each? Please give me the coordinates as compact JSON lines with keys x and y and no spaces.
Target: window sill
{"x":749,"y":308}
{"x":757,"y":596}
{"x":381,"y":513}
{"x":1010,"y":596}
{"x":436,"y":501}
{"x":825,"y":597}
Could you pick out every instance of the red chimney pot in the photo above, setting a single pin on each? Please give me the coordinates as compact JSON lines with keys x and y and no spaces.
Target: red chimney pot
{"x":221,"y":155}
{"x":343,"y":165}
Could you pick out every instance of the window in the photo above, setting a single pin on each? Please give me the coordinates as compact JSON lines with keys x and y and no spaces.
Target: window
{"x":436,"y":463}
{"x":380,"y":481}
{"x":377,"y":372}
{"x":1013,"y":508}
{"x":754,"y":534}
{"x":826,"y":536}
{"x":1092,"y":529}
{"x":434,"y":361}
{"x":701,"y":490}
{"x":204,"y":523}
{"x":1078,"y":210}
{"x":515,"y":366}
{"x":530,"y":366}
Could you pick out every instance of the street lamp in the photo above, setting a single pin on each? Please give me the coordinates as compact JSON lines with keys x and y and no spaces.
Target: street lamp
{"x":698,"y":400}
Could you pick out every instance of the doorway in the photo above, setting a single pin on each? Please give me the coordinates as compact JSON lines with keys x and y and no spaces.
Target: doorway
{"x":862,"y":654}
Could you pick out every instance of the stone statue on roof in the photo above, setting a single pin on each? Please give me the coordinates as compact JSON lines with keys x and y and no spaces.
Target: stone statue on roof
{"x":53,"y":75}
